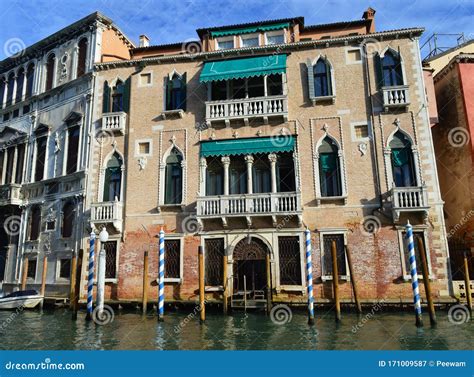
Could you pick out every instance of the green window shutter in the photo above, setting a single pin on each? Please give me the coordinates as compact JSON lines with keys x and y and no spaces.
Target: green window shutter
{"x":328,"y":78}
{"x":183,"y":92}
{"x":309,"y":68}
{"x":168,"y":89}
{"x":126,"y":96}
{"x":106,"y":98}
{"x":378,"y":70}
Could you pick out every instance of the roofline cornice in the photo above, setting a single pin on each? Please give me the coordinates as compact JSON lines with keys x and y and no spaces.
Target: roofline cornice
{"x":239,"y":52}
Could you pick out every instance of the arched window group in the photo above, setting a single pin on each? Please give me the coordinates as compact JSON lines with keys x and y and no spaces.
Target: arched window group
{"x":174,"y":178}
{"x":390,"y":69}
{"x":329,"y":168}
{"x":322,"y":78}
{"x":403,"y":164}
{"x":113,"y":179}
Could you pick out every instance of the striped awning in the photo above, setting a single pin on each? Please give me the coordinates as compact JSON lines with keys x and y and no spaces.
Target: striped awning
{"x":285,"y":143}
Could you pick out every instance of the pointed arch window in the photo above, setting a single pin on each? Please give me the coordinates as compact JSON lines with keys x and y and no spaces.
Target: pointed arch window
{"x":29,"y":80}
{"x":391,"y":69}
{"x":68,"y":220}
{"x":19,"y":84}
{"x":322,"y":78}
{"x":50,"y":71}
{"x":176,"y":92}
{"x":329,"y":169}
{"x":174,"y":178}
{"x":116,"y":98}
{"x":11,"y":86}
{"x":81,"y":57}
{"x":403,"y":167}
{"x":113,"y":179}
{"x":35,"y":223}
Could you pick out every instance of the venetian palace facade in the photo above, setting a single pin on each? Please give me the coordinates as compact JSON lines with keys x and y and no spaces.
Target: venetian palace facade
{"x":241,"y":140}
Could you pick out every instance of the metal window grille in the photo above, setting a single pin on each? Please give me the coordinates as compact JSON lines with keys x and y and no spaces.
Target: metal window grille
{"x":172,"y":259}
{"x":110,"y":248}
{"x":340,"y":252}
{"x":290,"y":260}
{"x":214,"y":254}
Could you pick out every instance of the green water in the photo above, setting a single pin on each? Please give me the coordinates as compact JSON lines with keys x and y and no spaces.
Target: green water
{"x":33,"y":330}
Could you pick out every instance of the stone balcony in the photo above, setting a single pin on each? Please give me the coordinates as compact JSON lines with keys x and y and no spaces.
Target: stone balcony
{"x":409,"y":199}
{"x":114,"y":122}
{"x":247,"y":108}
{"x":250,"y":205}
{"x":108,"y":213}
{"x":11,"y":194}
{"x":395,"y":96}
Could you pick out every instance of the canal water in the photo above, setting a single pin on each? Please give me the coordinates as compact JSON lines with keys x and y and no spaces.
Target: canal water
{"x":33,"y":330}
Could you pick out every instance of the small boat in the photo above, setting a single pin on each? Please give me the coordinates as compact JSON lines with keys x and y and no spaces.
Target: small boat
{"x":20,"y":299}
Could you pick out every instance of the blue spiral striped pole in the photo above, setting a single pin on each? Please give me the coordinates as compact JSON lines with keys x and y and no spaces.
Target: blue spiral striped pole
{"x":90,"y":279}
{"x":161,"y":278}
{"x":309,"y":278}
{"x":414,"y":274}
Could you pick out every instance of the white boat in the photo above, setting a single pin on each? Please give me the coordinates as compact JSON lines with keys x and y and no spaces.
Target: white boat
{"x":21,"y":299}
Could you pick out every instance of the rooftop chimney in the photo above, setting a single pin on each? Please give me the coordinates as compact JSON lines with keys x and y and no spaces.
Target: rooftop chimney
{"x":144,"y":41}
{"x":369,"y":14}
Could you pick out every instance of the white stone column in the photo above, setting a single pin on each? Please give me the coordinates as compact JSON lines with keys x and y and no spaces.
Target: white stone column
{"x":202,"y":183}
{"x":5,"y":89}
{"x":249,"y":161}
{"x":4,"y":168}
{"x":15,"y":84}
{"x":15,"y":163}
{"x":273,"y":159}
{"x":226,"y":162}
{"x":23,"y":89}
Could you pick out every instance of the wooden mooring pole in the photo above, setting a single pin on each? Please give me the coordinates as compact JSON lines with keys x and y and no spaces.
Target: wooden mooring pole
{"x":43,"y":279}
{"x":24,"y":276}
{"x":353,"y":281}
{"x":202,"y":307}
{"x":269,"y":283}
{"x":335,"y":281}
{"x":426,"y":281}
{"x":72,"y":286}
{"x":467,"y":282}
{"x":77,"y":284}
{"x":145,"y":283}
{"x":225,"y":298}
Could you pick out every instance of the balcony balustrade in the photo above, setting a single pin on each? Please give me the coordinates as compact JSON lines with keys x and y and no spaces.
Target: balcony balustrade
{"x":409,"y":199}
{"x":395,"y":96}
{"x":112,"y":122}
{"x":107,"y":213}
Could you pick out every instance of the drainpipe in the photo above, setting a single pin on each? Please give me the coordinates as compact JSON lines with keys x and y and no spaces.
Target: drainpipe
{"x":374,"y":140}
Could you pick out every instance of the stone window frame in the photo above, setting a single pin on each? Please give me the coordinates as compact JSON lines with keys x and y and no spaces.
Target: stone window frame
{"x":115,"y":239}
{"x":180,"y":238}
{"x":162,"y":172}
{"x":69,"y":126}
{"x":273,"y":33}
{"x":217,"y":288}
{"x":139,"y":81}
{"x":401,"y":248}
{"x":225,"y":39}
{"x":241,"y":38}
{"x":381,"y":55}
{"x":44,"y":64}
{"x":361,"y":123}
{"x":75,"y":60}
{"x":58,"y":278}
{"x":310,"y":64}
{"x":102,"y":171}
{"x":335,"y":231}
{"x":282,"y":287}
{"x":137,"y":147}
{"x":346,"y":54}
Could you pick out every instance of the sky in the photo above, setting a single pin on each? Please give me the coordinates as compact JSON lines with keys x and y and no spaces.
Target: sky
{"x":24,"y":22}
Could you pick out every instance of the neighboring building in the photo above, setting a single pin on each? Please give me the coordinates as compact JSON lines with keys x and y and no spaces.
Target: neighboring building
{"x":46,"y":94}
{"x":453,"y":141}
{"x":240,"y":140}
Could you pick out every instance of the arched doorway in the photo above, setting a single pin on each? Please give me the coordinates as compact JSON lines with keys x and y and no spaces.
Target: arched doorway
{"x":251,"y":259}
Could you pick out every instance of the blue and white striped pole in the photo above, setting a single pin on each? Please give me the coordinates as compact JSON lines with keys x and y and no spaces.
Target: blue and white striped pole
{"x":90,"y":279}
{"x":414,"y":274}
{"x":161,"y":278}
{"x":309,"y":278}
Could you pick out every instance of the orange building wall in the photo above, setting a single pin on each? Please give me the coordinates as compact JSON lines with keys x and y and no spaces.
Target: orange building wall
{"x":113,"y":47}
{"x":466,"y":78}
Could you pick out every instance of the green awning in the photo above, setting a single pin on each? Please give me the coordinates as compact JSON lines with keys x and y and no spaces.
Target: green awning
{"x":243,"y":68}
{"x":251,"y":29}
{"x":247,"y":146}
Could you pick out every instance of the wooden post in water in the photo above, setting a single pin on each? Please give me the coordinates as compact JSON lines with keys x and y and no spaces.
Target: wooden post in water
{"x":202,"y":307}
{"x":72,"y":287}
{"x":225,"y":302}
{"x":245,"y":293}
{"x":426,"y":281}
{"x":145,"y":283}
{"x":43,"y":278}
{"x":269,"y":283}
{"x":467,"y":282}
{"x":77,"y":285}
{"x":24,"y":276}
{"x":353,"y":282}
{"x":335,"y":281}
